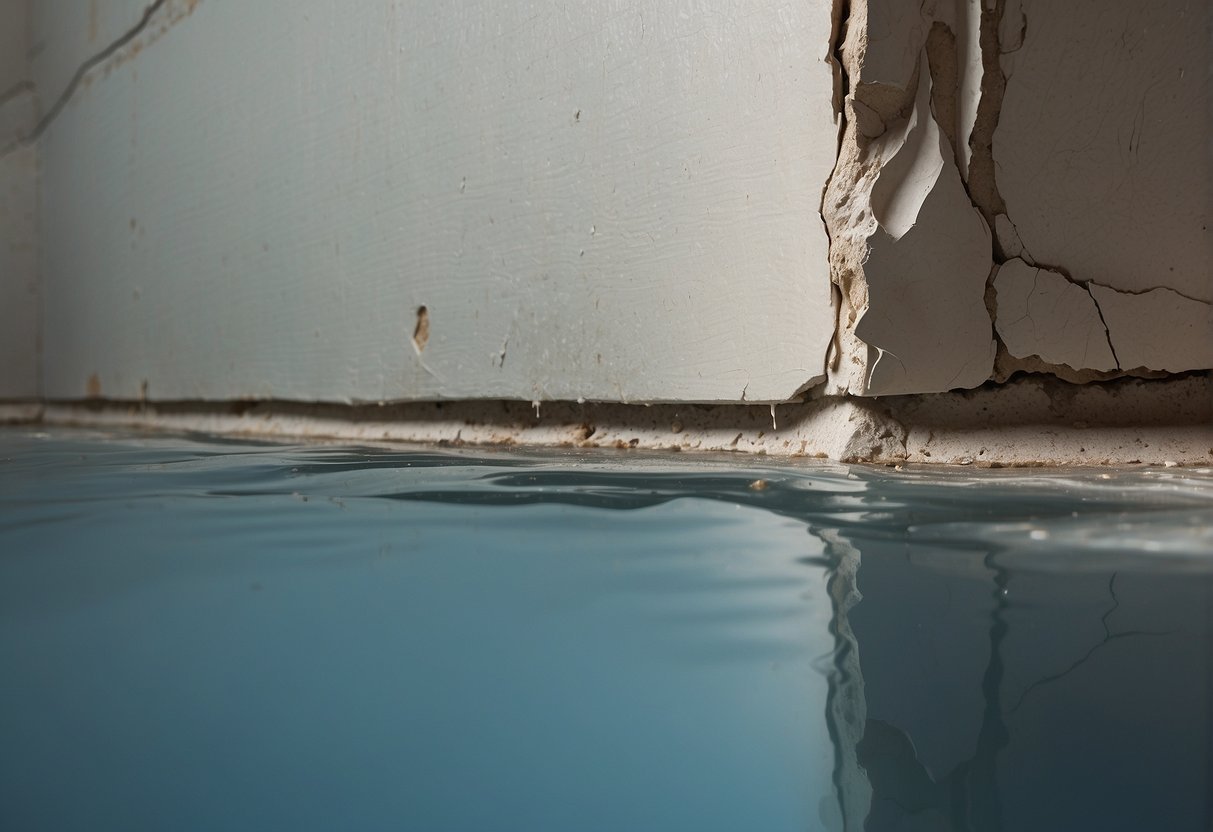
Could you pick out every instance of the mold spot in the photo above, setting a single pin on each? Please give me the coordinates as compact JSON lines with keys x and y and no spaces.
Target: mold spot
{"x":421,"y":332}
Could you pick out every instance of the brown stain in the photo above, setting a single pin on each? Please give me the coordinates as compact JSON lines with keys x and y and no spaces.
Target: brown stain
{"x":421,"y":332}
{"x":93,"y":387}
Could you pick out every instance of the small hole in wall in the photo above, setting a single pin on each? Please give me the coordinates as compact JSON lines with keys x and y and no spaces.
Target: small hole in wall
{"x":421,"y":332}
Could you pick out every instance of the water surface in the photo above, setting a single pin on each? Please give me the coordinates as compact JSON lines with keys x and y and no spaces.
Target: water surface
{"x":205,"y":634}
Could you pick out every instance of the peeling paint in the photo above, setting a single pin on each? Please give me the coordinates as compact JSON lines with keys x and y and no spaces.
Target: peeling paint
{"x":1090,"y":148}
{"x":977,"y":228}
{"x":909,"y":253}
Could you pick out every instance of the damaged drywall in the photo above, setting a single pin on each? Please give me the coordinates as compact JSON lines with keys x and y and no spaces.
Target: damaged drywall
{"x":1045,"y":314}
{"x":1078,"y":134}
{"x":270,"y":201}
{"x":909,"y":251}
{"x":1158,"y":329}
{"x":1109,"y":174}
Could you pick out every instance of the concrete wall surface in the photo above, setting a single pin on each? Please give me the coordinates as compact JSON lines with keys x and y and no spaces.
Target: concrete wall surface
{"x":711,"y":201}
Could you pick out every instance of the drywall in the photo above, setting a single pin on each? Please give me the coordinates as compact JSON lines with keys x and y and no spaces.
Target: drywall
{"x":597,"y":200}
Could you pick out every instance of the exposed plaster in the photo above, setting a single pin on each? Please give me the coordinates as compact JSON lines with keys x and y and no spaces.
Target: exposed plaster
{"x":966,"y":54}
{"x":909,"y":254}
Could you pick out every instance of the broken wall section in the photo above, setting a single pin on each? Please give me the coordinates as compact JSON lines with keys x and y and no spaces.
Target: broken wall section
{"x":1021,"y":186}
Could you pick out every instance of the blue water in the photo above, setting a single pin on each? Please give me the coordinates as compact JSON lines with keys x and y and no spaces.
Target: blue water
{"x":199,"y":634}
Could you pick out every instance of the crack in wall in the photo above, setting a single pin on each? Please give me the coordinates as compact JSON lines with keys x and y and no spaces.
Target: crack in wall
{"x":89,"y":64}
{"x":981,"y":184}
{"x":97,"y":59}
{"x":895,"y":186}
{"x":840,"y":15}
{"x":1102,"y":320}
{"x":962,"y":48}
{"x":978,"y":173}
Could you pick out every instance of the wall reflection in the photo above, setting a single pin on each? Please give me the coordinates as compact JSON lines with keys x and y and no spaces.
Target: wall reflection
{"x":1010,"y":651}
{"x":990,"y":684}
{"x":342,"y":636}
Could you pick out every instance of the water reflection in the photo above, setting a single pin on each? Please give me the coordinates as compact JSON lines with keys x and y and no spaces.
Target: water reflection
{"x":444,"y":640}
{"x":925,"y":746}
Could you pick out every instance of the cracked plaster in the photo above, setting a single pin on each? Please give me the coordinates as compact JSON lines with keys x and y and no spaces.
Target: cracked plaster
{"x":945,"y":131}
{"x":1105,"y":177}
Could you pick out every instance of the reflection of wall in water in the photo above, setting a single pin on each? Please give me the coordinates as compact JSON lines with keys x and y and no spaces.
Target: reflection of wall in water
{"x":999,"y":699}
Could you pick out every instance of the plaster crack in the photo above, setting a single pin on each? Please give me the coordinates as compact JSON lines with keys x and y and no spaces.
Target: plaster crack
{"x":840,"y":17}
{"x":1150,"y":289}
{"x":1102,"y":320}
{"x":95,"y":60}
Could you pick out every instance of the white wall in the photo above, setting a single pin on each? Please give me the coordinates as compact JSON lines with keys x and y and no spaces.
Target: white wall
{"x":599,"y":200}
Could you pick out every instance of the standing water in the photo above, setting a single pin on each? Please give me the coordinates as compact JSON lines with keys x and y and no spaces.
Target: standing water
{"x":198,"y":634}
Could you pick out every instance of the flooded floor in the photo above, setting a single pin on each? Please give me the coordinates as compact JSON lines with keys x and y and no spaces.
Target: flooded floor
{"x":200,"y":634}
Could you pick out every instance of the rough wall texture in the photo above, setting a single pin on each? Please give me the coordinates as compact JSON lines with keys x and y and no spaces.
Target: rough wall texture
{"x":1022,"y":185}
{"x":204,"y":199}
